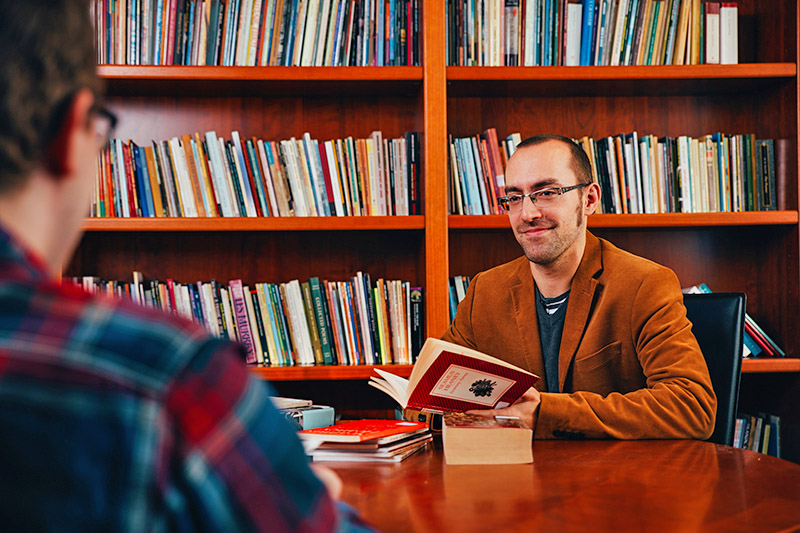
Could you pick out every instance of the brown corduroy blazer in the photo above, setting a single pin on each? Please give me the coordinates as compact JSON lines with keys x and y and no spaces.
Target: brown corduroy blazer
{"x":629,"y":366}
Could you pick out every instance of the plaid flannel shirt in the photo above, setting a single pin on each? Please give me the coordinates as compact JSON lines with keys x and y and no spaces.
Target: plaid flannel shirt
{"x":114,"y":417}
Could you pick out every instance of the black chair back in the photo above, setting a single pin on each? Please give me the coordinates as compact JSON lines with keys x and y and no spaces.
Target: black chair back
{"x":718,"y":324}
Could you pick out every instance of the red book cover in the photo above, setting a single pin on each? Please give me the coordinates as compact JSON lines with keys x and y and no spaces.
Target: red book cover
{"x":451,"y":378}
{"x":769,"y":351}
{"x":363,"y":430}
{"x":171,"y":291}
{"x":455,"y":382}
{"x":323,"y":156}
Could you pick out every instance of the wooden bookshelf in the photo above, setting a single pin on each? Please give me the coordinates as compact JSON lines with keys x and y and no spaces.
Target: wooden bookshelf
{"x":312,"y":373}
{"x":255,"y":81}
{"x":757,"y":253}
{"x":623,"y":80}
{"x":754,"y":366}
{"x":665,"y":220}
{"x":414,"y":222}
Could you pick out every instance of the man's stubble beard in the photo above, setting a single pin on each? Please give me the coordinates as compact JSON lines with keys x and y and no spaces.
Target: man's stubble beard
{"x":549,"y":251}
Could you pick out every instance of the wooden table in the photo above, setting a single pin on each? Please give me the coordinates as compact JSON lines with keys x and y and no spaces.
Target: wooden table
{"x":583,"y":485}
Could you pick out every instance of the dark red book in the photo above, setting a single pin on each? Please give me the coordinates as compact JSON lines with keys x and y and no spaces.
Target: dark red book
{"x":451,"y":378}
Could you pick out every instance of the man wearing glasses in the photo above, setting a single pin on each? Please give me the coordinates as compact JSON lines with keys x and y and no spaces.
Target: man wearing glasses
{"x":114,"y":417}
{"x":605,"y":329}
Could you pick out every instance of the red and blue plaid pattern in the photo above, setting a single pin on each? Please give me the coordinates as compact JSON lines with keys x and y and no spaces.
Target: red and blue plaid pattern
{"x":114,"y":417}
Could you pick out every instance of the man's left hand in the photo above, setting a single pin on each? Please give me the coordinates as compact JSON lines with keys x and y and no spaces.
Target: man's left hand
{"x":526,"y":409}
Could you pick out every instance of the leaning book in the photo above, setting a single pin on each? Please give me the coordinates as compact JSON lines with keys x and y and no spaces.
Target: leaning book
{"x":451,"y":378}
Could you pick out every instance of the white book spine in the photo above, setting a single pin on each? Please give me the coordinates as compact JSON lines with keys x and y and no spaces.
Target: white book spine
{"x":712,"y":33}
{"x":185,"y":184}
{"x":241,"y":171}
{"x":217,"y":179}
{"x":237,"y":212}
{"x":209,"y":310}
{"x":300,"y":322}
{"x":310,"y":35}
{"x":574,"y":18}
{"x":361,"y":302}
{"x":333,"y":172}
{"x":728,"y":33}
{"x":300,"y":209}
{"x":305,"y":178}
{"x":121,"y":178}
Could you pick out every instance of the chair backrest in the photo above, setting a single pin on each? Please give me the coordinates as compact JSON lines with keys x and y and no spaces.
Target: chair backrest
{"x":718,"y":324}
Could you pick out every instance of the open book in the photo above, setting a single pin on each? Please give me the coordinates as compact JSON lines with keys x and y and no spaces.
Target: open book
{"x":452,"y":378}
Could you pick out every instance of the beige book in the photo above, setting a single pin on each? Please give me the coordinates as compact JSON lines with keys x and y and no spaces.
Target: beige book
{"x":473,"y":440}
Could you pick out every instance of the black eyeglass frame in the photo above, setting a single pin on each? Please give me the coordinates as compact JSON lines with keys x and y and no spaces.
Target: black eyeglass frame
{"x":532,"y":196}
{"x":102,"y":111}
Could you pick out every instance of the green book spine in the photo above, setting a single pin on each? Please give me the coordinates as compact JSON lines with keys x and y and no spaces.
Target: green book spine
{"x":313,"y":329}
{"x":322,"y":322}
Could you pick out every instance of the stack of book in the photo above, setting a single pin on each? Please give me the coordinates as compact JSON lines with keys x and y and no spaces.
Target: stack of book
{"x":382,"y":441}
{"x":303,"y":414}
{"x":320,"y":322}
{"x":194,"y":176}
{"x":591,"y":32}
{"x":257,"y":32}
{"x":760,"y":433}
{"x":756,"y":341}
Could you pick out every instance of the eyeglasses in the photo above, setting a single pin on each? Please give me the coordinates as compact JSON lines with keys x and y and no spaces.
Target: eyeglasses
{"x":104,"y":124}
{"x":541,"y":198}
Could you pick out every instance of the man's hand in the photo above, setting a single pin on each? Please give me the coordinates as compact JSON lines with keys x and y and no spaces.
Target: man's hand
{"x":526,"y":408}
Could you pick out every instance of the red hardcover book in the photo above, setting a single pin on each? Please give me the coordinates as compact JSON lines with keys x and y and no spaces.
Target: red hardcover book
{"x":451,"y":378}
{"x":363,"y":430}
{"x":766,"y":346}
{"x":133,"y":201}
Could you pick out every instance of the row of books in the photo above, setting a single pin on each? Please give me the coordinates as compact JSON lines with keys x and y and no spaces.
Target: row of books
{"x":761,"y":433}
{"x":591,"y":32}
{"x":477,"y":170}
{"x":193,"y":176}
{"x":457,"y":290}
{"x":637,"y":174}
{"x":353,"y":322}
{"x":712,"y":173}
{"x":257,"y":32}
{"x":756,"y":341}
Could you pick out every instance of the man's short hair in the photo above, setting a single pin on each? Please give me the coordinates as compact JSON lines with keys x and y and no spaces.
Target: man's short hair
{"x":580,"y":161}
{"x":46,"y":56}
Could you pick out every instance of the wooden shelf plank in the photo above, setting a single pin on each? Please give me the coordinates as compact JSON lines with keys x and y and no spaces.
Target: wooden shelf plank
{"x":787,"y":364}
{"x":412,"y":222}
{"x":756,"y":218}
{"x":631,"y":80}
{"x":306,"y":373}
{"x":257,"y":81}
{"x":303,"y":373}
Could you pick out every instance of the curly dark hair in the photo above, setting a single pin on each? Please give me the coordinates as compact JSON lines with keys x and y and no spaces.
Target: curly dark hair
{"x":46,"y":56}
